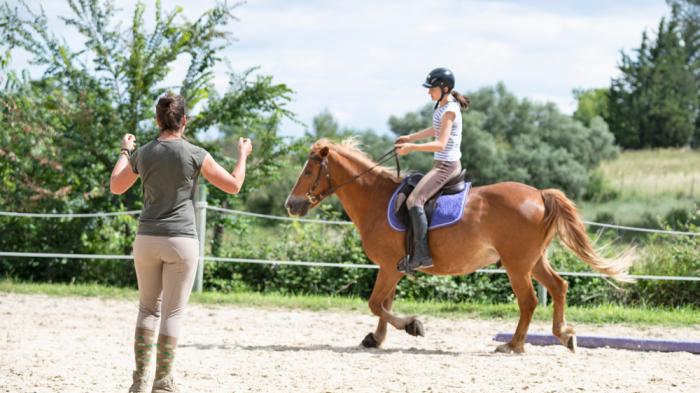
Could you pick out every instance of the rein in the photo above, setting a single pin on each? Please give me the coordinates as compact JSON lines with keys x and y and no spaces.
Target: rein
{"x":324,"y":165}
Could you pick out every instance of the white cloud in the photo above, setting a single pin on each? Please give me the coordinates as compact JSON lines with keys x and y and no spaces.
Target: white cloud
{"x":365,"y":60}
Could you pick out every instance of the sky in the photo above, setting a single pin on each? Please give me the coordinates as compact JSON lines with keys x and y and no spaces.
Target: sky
{"x":365,"y":60}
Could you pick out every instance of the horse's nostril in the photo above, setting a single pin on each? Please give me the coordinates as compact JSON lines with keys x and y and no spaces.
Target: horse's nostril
{"x":290,"y":206}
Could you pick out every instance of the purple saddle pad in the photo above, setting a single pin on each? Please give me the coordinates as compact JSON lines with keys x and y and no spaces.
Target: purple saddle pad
{"x":448,"y":210}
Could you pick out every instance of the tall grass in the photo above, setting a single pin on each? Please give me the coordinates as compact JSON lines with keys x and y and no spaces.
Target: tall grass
{"x":655,"y":173}
{"x":647,"y":185}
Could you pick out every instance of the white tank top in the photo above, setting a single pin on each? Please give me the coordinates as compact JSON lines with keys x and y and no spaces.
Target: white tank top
{"x":451,"y":152}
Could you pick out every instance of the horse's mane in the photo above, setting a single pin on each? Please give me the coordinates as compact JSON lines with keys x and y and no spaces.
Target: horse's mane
{"x":350,"y":148}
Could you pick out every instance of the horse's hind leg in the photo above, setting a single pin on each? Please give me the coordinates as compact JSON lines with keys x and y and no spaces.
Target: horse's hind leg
{"x":556,"y":286}
{"x":527,"y":302}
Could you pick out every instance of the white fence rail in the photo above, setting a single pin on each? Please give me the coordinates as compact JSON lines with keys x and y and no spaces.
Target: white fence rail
{"x":201,"y":208}
{"x":200,"y":205}
{"x":314,"y":264}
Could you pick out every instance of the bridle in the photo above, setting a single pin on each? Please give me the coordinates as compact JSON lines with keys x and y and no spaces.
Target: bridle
{"x":323,"y":162}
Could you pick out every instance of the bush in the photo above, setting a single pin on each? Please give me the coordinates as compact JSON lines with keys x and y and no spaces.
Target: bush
{"x":658,"y":255}
{"x":669,"y":256}
{"x":599,"y":189}
{"x":113,"y":235}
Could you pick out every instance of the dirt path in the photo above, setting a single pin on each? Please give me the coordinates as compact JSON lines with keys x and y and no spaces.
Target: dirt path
{"x":52,"y":344}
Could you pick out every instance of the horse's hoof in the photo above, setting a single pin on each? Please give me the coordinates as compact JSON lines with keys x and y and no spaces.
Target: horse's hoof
{"x":415,"y":328}
{"x":571,"y":344}
{"x":369,"y":341}
{"x":507,"y":348}
{"x":504,"y":348}
{"x":567,"y":338}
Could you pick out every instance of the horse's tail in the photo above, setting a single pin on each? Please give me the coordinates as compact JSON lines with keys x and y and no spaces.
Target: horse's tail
{"x":562,"y":217}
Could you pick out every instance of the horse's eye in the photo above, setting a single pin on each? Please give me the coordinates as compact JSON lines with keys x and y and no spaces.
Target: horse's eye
{"x":307,"y":173}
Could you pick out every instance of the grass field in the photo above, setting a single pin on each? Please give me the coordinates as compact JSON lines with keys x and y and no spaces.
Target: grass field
{"x":642,"y":211}
{"x":686,"y":316}
{"x":650,"y":184}
{"x":655,"y":172}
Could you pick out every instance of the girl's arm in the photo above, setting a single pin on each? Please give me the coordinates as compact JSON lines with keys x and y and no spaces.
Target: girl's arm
{"x":230,"y":183}
{"x":422,"y":134}
{"x":123,"y":177}
{"x":438,"y":145}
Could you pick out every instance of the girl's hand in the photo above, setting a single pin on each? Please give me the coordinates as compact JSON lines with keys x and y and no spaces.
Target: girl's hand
{"x":245,"y":147}
{"x":402,"y":139}
{"x":404,"y":148}
{"x":128,"y":142}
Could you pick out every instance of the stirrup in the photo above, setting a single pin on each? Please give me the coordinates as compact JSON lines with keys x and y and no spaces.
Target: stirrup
{"x":404,"y":267}
{"x":421,"y":267}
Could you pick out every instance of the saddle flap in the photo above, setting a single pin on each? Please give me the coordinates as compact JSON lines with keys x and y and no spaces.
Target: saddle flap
{"x":413,"y":179}
{"x":456,"y":184}
{"x":409,"y":183}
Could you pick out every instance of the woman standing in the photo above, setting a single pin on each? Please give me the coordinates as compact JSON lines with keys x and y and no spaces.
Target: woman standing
{"x":447,"y":131}
{"x":166,"y":245}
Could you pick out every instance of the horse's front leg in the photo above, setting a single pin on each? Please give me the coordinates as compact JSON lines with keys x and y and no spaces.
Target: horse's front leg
{"x":380,"y":303}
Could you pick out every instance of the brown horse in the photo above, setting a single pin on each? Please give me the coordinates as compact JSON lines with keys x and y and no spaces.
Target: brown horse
{"x":508,"y":222}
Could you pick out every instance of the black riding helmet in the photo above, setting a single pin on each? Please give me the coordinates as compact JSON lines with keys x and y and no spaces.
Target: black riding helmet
{"x":440,"y":77}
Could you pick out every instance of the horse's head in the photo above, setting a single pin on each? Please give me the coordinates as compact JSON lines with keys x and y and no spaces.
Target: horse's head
{"x":313,"y":184}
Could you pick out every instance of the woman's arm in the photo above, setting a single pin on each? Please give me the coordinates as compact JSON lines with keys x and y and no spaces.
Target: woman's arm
{"x":230,"y":183}
{"x":434,"y":146}
{"x":123,"y":176}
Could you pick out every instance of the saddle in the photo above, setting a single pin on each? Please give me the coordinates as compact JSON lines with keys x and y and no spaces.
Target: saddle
{"x":456,"y":185}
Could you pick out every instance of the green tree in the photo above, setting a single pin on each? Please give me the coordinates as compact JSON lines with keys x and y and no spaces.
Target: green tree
{"x":412,"y":121}
{"x":591,"y":103}
{"x":654,"y":103}
{"x":60,"y":133}
{"x":324,"y":126}
{"x":688,"y":13}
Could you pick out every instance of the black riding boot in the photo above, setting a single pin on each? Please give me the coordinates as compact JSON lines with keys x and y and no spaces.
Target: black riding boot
{"x":421,"y":255}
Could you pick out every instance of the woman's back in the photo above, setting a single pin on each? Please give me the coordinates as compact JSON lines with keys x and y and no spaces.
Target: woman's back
{"x":169,"y":170}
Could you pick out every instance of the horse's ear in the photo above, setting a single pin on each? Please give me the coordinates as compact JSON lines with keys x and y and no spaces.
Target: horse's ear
{"x":324,"y":152}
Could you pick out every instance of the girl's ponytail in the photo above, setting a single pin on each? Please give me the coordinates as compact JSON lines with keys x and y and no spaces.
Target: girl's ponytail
{"x":463,"y":101}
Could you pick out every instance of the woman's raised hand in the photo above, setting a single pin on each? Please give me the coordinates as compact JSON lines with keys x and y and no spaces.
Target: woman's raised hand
{"x":128,"y":142}
{"x":245,"y":146}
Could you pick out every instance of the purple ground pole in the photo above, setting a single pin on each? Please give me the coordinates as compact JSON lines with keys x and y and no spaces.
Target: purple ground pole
{"x":631,"y":343}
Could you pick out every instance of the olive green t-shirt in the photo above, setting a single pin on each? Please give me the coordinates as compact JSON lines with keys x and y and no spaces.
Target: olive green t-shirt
{"x":168,"y":171}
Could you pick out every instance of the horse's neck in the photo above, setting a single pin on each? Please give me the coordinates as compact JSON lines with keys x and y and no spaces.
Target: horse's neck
{"x":364,"y":199}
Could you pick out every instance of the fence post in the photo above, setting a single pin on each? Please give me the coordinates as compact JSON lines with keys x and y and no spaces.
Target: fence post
{"x":201,"y":222}
{"x":541,"y":290}
{"x":542,"y":294}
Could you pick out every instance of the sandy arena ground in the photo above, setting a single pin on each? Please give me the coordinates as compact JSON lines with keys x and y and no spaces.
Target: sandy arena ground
{"x":51,"y":344}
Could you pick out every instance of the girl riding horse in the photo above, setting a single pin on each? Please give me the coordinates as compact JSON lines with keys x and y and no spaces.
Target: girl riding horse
{"x":447,"y":130}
